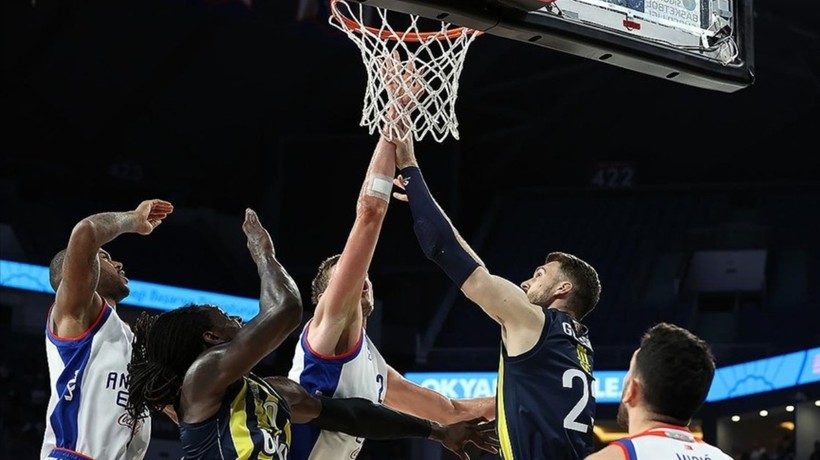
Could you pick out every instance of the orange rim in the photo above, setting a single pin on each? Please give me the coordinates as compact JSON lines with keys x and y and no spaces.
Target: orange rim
{"x":352,"y":24}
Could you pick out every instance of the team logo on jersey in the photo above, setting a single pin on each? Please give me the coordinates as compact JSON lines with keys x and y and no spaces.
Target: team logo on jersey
{"x":583,"y":358}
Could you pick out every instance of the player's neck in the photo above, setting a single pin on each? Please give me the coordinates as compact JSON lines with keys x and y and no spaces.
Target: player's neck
{"x":641,"y":421}
{"x":563,"y":308}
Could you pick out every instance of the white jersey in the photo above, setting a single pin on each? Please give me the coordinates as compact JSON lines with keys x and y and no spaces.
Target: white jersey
{"x":86,"y":416}
{"x":668,"y":443}
{"x":361,"y":373}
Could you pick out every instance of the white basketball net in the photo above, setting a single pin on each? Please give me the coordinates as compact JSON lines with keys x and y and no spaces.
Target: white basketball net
{"x":435,"y":59}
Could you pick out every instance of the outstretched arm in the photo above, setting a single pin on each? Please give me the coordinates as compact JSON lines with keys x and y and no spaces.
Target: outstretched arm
{"x":280,"y":312}
{"x":406,"y":396}
{"x":337,"y":321}
{"x":362,"y":418}
{"x":502,"y":300}
{"x":77,"y":303}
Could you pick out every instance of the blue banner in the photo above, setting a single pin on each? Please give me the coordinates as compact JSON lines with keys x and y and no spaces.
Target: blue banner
{"x":608,"y":386}
{"x":763,"y":375}
{"x":811,"y":369}
{"x":147,"y":295}
{"x":459,"y":385}
{"x":744,"y":379}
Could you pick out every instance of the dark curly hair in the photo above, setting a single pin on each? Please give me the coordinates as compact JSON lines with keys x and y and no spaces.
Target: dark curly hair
{"x":677,"y":369}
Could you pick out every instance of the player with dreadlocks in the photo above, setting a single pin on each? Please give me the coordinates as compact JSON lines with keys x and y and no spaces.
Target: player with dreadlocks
{"x":194,"y":363}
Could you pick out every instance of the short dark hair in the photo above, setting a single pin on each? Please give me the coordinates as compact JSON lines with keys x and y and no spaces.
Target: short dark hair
{"x":55,"y":269}
{"x":586,"y":284}
{"x":676,"y":368}
{"x":322,"y":279}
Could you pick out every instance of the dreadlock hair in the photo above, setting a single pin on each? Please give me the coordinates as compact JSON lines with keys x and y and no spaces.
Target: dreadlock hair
{"x":164,"y":347}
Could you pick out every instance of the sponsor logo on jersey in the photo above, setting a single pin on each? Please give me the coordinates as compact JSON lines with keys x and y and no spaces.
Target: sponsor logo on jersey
{"x":680,"y":436}
{"x":127,"y":421}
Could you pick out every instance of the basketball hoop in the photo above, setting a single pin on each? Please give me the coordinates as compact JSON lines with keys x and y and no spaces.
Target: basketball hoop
{"x":433,"y":59}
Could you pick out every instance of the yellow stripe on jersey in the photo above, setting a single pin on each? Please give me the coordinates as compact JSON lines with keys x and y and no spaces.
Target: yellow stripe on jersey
{"x":240,"y":434}
{"x":262,"y":416}
{"x":503,"y":431}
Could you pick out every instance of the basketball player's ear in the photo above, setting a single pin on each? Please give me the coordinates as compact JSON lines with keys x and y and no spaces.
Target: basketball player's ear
{"x":563,"y":288}
{"x":632,"y":388}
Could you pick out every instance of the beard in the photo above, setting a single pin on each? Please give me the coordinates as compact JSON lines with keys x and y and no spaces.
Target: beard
{"x":541,"y":299}
{"x":623,"y":416}
{"x":112,"y":287}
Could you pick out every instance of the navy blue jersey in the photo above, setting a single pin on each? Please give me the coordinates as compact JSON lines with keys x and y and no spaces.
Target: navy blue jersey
{"x":253,"y":423}
{"x":545,"y":402}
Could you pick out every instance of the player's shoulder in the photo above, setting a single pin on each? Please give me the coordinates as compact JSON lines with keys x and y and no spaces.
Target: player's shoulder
{"x":613,"y":451}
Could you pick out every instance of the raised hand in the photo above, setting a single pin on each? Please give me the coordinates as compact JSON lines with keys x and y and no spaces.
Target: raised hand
{"x":456,"y":436}
{"x":259,"y":241}
{"x":404,"y":83}
{"x":405,"y":86}
{"x":398,"y":181}
{"x":150,"y":214}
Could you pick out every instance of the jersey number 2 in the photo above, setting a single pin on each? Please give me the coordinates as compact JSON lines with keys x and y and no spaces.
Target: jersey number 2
{"x":571,"y":420}
{"x":380,"y":381}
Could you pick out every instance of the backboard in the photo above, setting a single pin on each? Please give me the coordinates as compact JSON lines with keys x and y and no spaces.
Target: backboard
{"x":702,"y":43}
